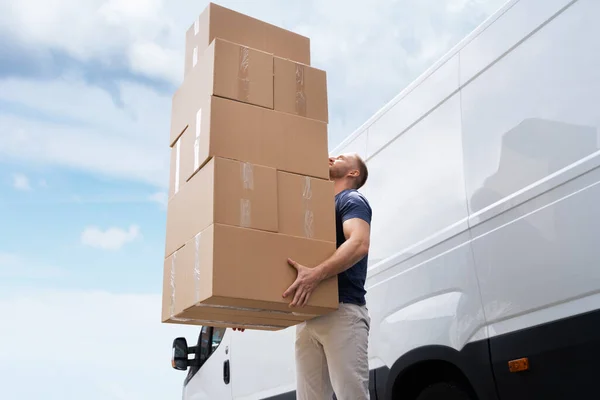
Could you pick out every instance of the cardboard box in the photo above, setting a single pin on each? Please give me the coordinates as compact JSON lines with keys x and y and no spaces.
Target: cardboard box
{"x":218,"y":316}
{"x":229,"y":266}
{"x":300,"y":90}
{"x":226,"y":192}
{"x":226,"y":70}
{"x":239,"y":131}
{"x":220,"y":22}
{"x":218,"y":321}
{"x":306,"y":207}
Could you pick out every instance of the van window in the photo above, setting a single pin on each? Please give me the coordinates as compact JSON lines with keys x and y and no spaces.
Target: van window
{"x":209,"y":340}
{"x":204,"y":346}
{"x":217,"y":337}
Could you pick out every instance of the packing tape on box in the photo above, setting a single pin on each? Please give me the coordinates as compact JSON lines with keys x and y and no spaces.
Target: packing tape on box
{"x":245,"y":213}
{"x":243,"y":80}
{"x":309,"y":216}
{"x":177,"y":164}
{"x":172,"y":305}
{"x":195,"y":57}
{"x":247,"y":176}
{"x":247,"y":171}
{"x":197,"y":267}
{"x":197,"y":139}
{"x":300,"y":94}
{"x":252,"y":309}
{"x":196,"y":26}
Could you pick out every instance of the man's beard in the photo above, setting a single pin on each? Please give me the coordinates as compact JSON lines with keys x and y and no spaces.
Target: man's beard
{"x":334,"y":173}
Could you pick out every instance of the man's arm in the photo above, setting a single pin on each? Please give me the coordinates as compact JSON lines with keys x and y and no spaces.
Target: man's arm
{"x":357,"y":232}
{"x":356,"y":217}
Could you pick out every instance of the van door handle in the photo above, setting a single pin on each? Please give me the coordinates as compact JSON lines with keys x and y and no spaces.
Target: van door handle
{"x":226,"y":372}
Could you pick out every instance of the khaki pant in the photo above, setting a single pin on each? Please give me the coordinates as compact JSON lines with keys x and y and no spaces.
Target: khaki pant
{"x":332,"y":355}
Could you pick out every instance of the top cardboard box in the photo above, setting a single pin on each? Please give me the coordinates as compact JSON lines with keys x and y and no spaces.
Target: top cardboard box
{"x":226,"y":70}
{"x":220,"y":22}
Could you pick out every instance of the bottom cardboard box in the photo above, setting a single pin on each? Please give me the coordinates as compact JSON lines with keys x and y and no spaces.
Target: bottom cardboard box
{"x":235,"y":273}
{"x":247,"y":321}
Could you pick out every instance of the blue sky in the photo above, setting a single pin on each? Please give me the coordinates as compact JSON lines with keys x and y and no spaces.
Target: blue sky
{"x":85,"y":89}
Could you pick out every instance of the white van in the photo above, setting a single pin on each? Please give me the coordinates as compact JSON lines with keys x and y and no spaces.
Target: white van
{"x":484,"y":276}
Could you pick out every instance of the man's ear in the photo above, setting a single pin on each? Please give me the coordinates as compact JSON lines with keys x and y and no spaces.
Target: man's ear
{"x":354,"y":173}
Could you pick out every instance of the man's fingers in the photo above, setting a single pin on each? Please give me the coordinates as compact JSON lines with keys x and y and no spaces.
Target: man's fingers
{"x":291,"y":289}
{"x":297,"y":296}
{"x":302,"y":300}
{"x":305,"y":299}
{"x":292,"y":263}
{"x":293,"y":302}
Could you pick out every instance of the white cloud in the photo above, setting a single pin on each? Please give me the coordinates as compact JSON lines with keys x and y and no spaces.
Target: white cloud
{"x":91,"y":345}
{"x":160,"y":198}
{"x":14,"y":266}
{"x":21,"y":182}
{"x":104,"y":31}
{"x":371,"y":51}
{"x":110,"y":239}
{"x":128,"y":142}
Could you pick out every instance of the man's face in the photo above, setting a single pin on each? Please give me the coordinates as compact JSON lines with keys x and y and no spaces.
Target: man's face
{"x":341,"y":166}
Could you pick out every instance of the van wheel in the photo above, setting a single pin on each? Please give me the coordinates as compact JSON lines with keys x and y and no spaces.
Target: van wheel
{"x":443,"y":391}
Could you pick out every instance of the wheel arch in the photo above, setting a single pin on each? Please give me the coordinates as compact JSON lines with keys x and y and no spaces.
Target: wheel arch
{"x":436,"y":361}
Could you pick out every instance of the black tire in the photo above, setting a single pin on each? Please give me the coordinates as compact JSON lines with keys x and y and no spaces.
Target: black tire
{"x":443,"y":391}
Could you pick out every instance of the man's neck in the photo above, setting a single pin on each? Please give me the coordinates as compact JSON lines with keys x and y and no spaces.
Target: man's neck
{"x":340,"y":185}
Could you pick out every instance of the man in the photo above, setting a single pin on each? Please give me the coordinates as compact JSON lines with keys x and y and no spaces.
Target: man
{"x":332,"y":350}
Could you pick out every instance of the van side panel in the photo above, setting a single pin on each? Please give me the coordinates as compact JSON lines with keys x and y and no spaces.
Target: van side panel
{"x":532,"y":156}
{"x":422,"y":288}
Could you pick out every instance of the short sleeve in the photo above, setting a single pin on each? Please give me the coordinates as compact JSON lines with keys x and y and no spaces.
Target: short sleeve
{"x":355,"y":206}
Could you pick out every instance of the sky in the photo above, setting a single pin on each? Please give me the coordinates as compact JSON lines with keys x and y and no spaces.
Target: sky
{"x":85,"y":102}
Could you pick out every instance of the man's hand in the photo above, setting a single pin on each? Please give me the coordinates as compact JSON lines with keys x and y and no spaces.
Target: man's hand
{"x":239,"y":329}
{"x":306,"y":281}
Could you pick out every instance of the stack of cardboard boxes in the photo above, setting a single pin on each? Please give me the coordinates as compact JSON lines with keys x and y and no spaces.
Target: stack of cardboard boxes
{"x":249,"y":183}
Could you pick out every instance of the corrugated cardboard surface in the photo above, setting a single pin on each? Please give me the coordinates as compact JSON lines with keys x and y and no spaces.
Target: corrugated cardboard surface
{"x":239,"y":131}
{"x":226,"y":70}
{"x":219,"y":22}
{"x":300,"y":90}
{"x":227,"y":192}
{"x":246,"y":268}
{"x":179,"y":288}
{"x":237,"y":314}
{"x":306,"y":207}
{"x":252,"y":266}
{"x":219,"y":321}
{"x":241,"y":73}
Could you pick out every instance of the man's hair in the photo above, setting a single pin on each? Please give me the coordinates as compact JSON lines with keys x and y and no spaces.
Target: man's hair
{"x":363,"y":172}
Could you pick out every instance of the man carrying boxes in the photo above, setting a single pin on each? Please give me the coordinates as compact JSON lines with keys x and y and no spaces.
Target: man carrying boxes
{"x":337,"y":343}
{"x":251,"y":192}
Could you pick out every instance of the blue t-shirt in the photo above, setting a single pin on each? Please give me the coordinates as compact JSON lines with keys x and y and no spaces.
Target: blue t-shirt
{"x":351,"y":283}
